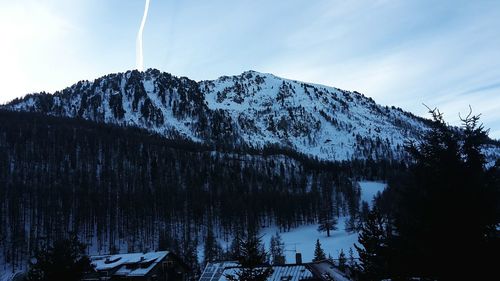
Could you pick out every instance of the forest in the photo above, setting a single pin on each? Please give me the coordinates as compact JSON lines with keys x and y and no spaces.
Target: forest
{"x":127,"y":189}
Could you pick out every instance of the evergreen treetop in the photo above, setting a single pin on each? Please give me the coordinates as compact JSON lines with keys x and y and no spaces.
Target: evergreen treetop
{"x":252,"y":261}
{"x":319,"y":253}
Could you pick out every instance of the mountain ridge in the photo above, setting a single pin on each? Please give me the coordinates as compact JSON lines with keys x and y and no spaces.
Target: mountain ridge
{"x":252,"y":109}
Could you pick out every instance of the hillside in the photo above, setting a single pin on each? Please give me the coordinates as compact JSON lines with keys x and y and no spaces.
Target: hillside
{"x":128,"y":189}
{"x":251,"y":110}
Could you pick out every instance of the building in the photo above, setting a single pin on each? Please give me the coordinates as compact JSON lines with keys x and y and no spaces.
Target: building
{"x":152,"y":266}
{"x":314,"y":271}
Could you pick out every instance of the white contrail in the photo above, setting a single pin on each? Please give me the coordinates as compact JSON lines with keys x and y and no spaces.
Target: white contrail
{"x":139,"y":57}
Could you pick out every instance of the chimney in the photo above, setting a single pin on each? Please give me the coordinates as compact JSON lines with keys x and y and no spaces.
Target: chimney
{"x":298,"y":258}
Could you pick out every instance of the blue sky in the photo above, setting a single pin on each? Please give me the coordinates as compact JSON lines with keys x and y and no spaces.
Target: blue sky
{"x":445,"y":54}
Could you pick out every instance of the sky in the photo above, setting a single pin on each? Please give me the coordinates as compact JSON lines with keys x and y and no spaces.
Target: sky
{"x":443,"y":54}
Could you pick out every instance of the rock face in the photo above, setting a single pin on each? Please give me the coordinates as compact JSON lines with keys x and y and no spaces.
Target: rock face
{"x":251,"y":110}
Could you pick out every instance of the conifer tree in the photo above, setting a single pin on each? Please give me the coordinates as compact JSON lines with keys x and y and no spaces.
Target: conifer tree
{"x":235,"y":247}
{"x":365,"y":210}
{"x":327,"y":222}
{"x":351,"y":262}
{"x":190,"y":252}
{"x":277,"y":249}
{"x":212,"y":251}
{"x":351,"y":224}
{"x":319,"y":253}
{"x":252,"y":261}
{"x":373,"y":249}
{"x":342,"y":260}
{"x":64,"y":260}
{"x":447,"y":185}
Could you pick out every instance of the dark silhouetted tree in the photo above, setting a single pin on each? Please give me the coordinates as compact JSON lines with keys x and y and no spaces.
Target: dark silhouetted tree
{"x":327,"y":222}
{"x":64,"y":260}
{"x":212,"y":251}
{"x":351,"y":262}
{"x":319,"y":253}
{"x":445,"y":209}
{"x":373,"y":249}
{"x":342,"y":260}
{"x":252,"y":261}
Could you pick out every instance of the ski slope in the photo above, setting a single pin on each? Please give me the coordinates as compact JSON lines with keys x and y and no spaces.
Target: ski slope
{"x":303,"y":239}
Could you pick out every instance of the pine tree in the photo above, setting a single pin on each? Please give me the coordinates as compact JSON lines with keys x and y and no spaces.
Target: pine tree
{"x":351,"y":262}
{"x":351,"y":224}
{"x":342,"y":260}
{"x":319,"y":253}
{"x":446,"y":185}
{"x":234,"y":252}
{"x":212,"y":251}
{"x":373,"y":252}
{"x":327,"y":222}
{"x":190,"y":252}
{"x":252,"y":261}
{"x":64,"y":260}
{"x":277,"y":249}
{"x":365,"y":210}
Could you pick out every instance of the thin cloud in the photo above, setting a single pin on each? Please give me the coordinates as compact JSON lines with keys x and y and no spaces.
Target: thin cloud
{"x":481,"y":89}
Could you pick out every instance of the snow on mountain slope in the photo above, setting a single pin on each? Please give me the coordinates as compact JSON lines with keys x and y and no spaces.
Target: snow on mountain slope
{"x":316,"y":120}
{"x":302,"y":239}
{"x":248,"y":110}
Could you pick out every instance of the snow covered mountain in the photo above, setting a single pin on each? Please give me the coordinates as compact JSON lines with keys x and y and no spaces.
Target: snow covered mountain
{"x":251,"y":110}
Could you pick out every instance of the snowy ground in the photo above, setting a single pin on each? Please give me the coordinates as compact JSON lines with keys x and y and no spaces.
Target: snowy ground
{"x":369,"y":189}
{"x":303,"y":239}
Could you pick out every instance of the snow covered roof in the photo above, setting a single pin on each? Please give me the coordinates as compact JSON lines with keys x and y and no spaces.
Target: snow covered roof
{"x":214,"y":270}
{"x":290,"y":272}
{"x":134,"y":264}
{"x":327,"y":270}
{"x":280,"y":273}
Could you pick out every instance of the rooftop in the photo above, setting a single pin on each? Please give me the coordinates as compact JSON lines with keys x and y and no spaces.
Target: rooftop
{"x":134,"y":264}
{"x":324,"y":270}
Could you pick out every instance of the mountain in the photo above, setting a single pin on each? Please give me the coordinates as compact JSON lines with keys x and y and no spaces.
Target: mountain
{"x":137,"y":161}
{"x":251,"y":110}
